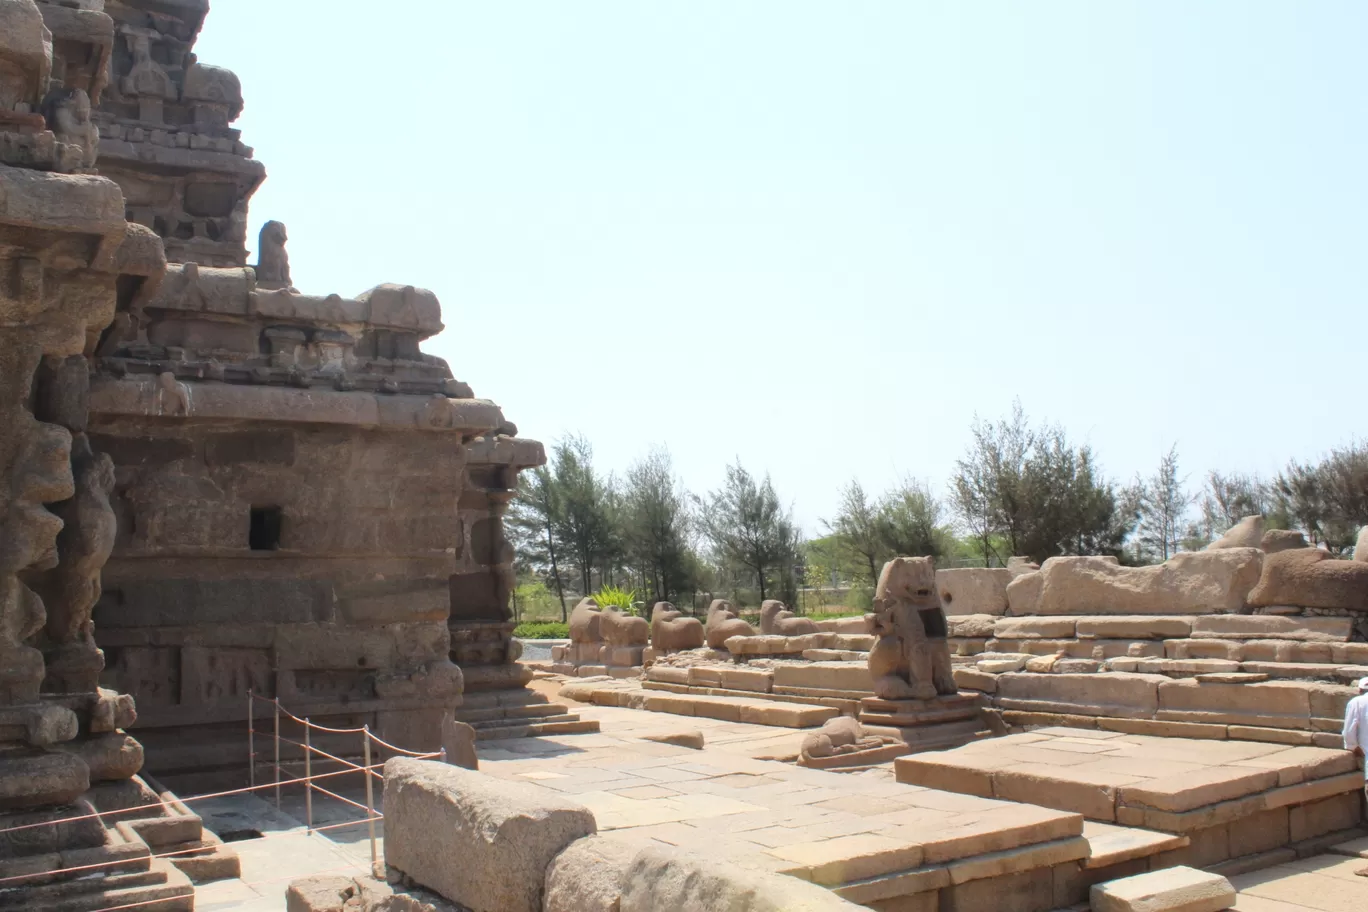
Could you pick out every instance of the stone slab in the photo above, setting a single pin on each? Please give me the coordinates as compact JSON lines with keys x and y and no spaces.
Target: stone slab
{"x":1177,"y":889}
{"x":482,"y":842}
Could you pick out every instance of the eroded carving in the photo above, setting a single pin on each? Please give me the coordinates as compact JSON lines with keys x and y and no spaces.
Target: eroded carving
{"x":911,"y":658}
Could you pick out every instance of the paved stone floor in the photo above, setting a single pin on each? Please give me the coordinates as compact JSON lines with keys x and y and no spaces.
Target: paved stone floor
{"x":1325,"y":883}
{"x":828,"y":827}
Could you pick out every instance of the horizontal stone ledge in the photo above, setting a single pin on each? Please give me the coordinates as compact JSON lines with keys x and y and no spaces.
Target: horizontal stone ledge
{"x":220,"y":401}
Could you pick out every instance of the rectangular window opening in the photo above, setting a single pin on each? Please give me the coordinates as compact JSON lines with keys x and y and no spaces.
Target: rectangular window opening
{"x":264,"y":532}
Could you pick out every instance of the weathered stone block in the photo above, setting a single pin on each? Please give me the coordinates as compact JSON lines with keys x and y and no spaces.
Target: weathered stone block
{"x":660,"y":879}
{"x":1273,"y":704}
{"x":587,"y":876}
{"x":976,"y":626}
{"x":1196,"y":582}
{"x":1271,"y":626}
{"x":481,"y":842}
{"x":853,"y":676}
{"x":1035,"y":628}
{"x":1179,"y":889}
{"x":1138,"y":628}
{"x":1085,"y":694}
{"x":974,"y":590}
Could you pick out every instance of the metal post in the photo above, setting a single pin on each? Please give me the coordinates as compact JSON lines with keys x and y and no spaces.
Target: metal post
{"x":277,"y":752}
{"x":370,"y":798}
{"x":251,"y":743}
{"x":308,"y":777}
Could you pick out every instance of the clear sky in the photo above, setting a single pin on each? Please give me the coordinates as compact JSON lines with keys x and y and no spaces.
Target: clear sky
{"x":821,"y":237}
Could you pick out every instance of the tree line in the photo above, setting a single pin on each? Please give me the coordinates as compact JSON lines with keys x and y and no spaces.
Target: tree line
{"x":1020,"y":489}
{"x":574,"y":526}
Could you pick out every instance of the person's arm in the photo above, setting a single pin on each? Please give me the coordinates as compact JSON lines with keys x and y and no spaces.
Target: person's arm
{"x":1352,"y":739}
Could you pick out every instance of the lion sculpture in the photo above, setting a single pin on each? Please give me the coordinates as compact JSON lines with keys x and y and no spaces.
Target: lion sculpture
{"x":911,"y":658}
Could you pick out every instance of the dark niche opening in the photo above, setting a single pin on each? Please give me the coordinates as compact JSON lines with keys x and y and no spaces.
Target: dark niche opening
{"x":264,"y":532}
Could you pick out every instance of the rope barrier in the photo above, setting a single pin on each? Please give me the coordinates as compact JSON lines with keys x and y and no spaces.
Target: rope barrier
{"x":283,"y":776}
{"x":128,"y":812}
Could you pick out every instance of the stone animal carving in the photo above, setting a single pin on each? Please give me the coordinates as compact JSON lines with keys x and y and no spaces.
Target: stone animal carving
{"x":1275,"y":540}
{"x":671,"y":631}
{"x":273,"y":263}
{"x":622,"y":629}
{"x":911,"y":658}
{"x":1311,"y":578}
{"x":146,"y":76}
{"x":1247,"y":533}
{"x":723,"y":623}
{"x":173,"y":396}
{"x":841,"y":735}
{"x":68,"y":117}
{"x":777,"y":620}
{"x":586,"y":622}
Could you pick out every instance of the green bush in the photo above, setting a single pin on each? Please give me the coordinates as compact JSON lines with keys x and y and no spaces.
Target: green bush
{"x":546,"y":630}
{"x":618,"y":598}
{"x":533,"y":600}
{"x":860,"y":599}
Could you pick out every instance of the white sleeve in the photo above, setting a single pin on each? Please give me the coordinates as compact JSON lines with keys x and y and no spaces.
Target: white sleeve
{"x":1351,"y":725}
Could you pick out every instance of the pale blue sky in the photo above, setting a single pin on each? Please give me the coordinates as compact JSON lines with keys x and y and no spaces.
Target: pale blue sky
{"x":822,"y":236}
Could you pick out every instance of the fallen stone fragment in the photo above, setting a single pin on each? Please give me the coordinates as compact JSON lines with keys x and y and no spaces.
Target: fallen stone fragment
{"x":689,"y":739}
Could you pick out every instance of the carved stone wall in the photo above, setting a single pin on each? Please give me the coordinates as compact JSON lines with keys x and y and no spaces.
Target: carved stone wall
{"x":66,"y":259}
{"x":166,"y":135}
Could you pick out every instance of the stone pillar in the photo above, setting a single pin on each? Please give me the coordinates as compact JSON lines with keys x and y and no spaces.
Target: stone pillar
{"x":65,"y":251}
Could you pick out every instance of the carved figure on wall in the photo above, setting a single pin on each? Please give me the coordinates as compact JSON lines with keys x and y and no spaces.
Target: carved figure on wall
{"x":671,"y":631}
{"x":724,"y":623}
{"x":273,"y":263}
{"x":40,"y":474}
{"x":776,"y":619}
{"x":68,"y":116}
{"x":146,"y":77}
{"x":71,"y":589}
{"x":173,"y":396}
{"x":911,"y":658}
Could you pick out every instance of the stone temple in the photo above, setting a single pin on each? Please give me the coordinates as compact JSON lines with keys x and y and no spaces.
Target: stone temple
{"x":221,"y":494}
{"x":214,"y":483}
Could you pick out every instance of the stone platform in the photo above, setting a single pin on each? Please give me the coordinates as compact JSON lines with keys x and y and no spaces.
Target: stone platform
{"x":871,"y":840}
{"x":1230,"y":798}
{"x":629,"y":694}
{"x":922,"y":725}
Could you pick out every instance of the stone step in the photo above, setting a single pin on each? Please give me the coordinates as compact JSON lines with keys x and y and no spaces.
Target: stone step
{"x":492,"y":698}
{"x":116,"y":857}
{"x":531,"y":730}
{"x":204,"y":860}
{"x":536,"y":710}
{"x":161,"y":889}
{"x":753,"y":709}
{"x":847,"y":702}
{"x":533,"y":720}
